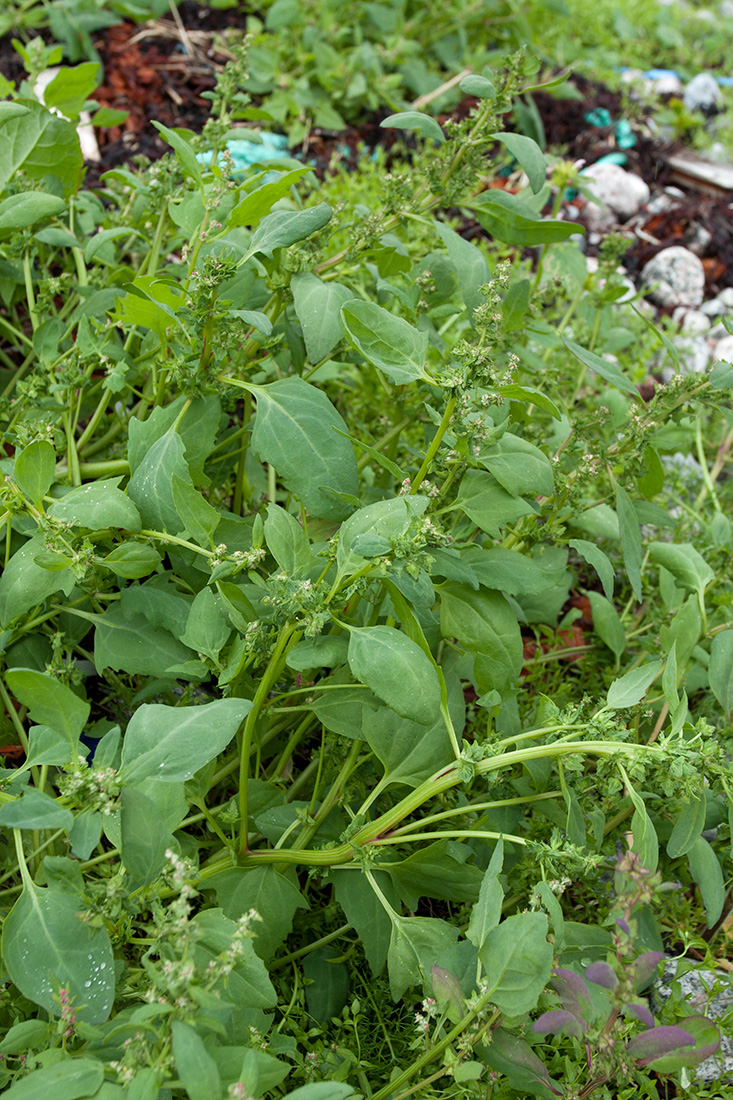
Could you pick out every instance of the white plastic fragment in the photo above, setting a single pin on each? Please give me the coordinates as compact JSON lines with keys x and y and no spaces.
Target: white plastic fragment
{"x":85,"y":130}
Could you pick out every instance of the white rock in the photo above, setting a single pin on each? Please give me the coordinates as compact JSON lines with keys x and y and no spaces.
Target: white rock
{"x":704,"y":15}
{"x":699,"y":239}
{"x":622,"y":191}
{"x":726,"y":297}
{"x":726,"y":9}
{"x":713,"y":308}
{"x":724,"y":349}
{"x":694,"y":355}
{"x":718,"y":332}
{"x":680,"y":277}
{"x":694,"y":323}
{"x":668,"y":85}
{"x":702,"y":94}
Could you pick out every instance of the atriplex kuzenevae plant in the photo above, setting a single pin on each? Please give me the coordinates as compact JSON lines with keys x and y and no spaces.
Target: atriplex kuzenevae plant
{"x":231,"y":471}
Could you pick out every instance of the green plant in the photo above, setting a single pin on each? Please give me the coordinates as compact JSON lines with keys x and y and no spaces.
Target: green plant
{"x":298,"y":485}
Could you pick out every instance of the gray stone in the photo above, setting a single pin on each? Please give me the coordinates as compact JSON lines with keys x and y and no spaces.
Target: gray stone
{"x":724,"y":349}
{"x":713,"y":308}
{"x":702,"y":94}
{"x":699,"y":239}
{"x":694,"y":355}
{"x":693,"y":322}
{"x":726,"y":297}
{"x":695,"y":987}
{"x":726,"y":9}
{"x":622,"y":191}
{"x":668,"y":85}
{"x":680,"y":277}
{"x":718,"y":332}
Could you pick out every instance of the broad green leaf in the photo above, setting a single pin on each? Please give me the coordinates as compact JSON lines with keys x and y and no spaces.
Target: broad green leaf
{"x":396,"y":670}
{"x":328,"y":982}
{"x":440,"y":870}
{"x":486,"y":626}
{"x":489,"y":505}
{"x":609,"y":371}
{"x":270,"y":893}
{"x":392,"y":345}
{"x":45,"y":945}
{"x":207,"y":631}
{"x":388,"y":519}
{"x":285,"y":227}
{"x":517,"y":961}
{"x":509,"y":219}
{"x":184,"y":153}
{"x":35,"y":469}
{"x":293,"y":431}
{"x":287,"y":541}
{"x":152,"y":302}
{"x":172,"y":743}
{"x":96,"y":505}
{"x":151,"y":485}
{"x":688,"y":827}
{"x":25,"y":209}
{"x":65,"y":1080}
{"x":425,"y":125}
{"x":410,"y":751}
{"x":195,"y":1067}
{"x":415,"y":945}
{"x":71,"y":88}
{"x":248,"y":987}
{"x":128,"y":643}
{"x":720,"y":670}
{"x":630,"y":539}
{"x":48,"y":746}
{"x":646,"y":844}
{"x":85,"y":833}
{"x":321,"y":1090}
{"x":24,"y":1036}
{"x":706,"y":872}
{"x":486,"y":912}
{"x":253,"y":207}
{"x":607,"y":623}
{"x":473,"y":270}
{"x":317,"y":306}
{"x":683,"y":632}
{"x":528,"y":396}
{"x":529,"y":155}
{"x":631,"y":688}
{"x":365,"y":912}
{"x":515,"y":305}
{"x":132,"y":560}
{"x":519,"y":466}
{"x":35,"y":810}
{"x":24,"y":584}
{"x":197,"y":424}
{"x":514,"y":573}
{"x":509,"y":1055}
{"x":144,"y":837}
{"x":600,"y":562}
{"x":683,"y":561}
{"x":326,"y":651}
{"x":103,"y":237}
{"x":49,"y":702}
{"x":38,"y":143}
{"x":199,"y":518}
{"x":479,"y":86}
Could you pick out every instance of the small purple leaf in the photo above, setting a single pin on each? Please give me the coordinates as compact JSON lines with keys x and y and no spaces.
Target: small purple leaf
{"x":600,"y":973}
{"x":623,"y":925}
{"x":641,"y":1010}
{"x":645,"y":966}
{"x":556,"y":1022}
{"x":573,"y":993}
{"x":707,"y":1041}
{"x":657,"y":1042}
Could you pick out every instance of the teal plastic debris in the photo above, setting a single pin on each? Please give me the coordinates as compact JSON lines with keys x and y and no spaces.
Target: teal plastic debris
{"x":261,"y":149}
{"x":625,"y":138}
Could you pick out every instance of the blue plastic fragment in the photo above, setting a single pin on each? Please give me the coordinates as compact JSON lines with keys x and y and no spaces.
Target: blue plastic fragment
{"x":245,"y":154}
{"x":599,"y":117}
{"x":625,"y":137}
{"x":657,"y":74}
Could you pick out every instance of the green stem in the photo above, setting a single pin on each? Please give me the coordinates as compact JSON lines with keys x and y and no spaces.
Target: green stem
{"x":435,"y":444}
{"x":288,"y":636}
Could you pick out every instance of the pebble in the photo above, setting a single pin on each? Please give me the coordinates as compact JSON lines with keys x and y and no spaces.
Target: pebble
{"x":724,"y":349}
{"x":693,"y":322}
{"x":665,"y":200}
{"x":694,"y":355}
{"x":725,"y":297}
{"x":622,"y":191}
{"x":699,"y":239}
{"x":695,"y":988}
{"x":703,"y":94}
{"x":668,"y":85}
{"x":680,"y":277}
{"x":718,"y":332}
{"x":713,"y":308}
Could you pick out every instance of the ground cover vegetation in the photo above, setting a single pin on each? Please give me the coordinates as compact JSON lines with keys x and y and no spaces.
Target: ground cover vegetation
{"x":367,"y":651}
